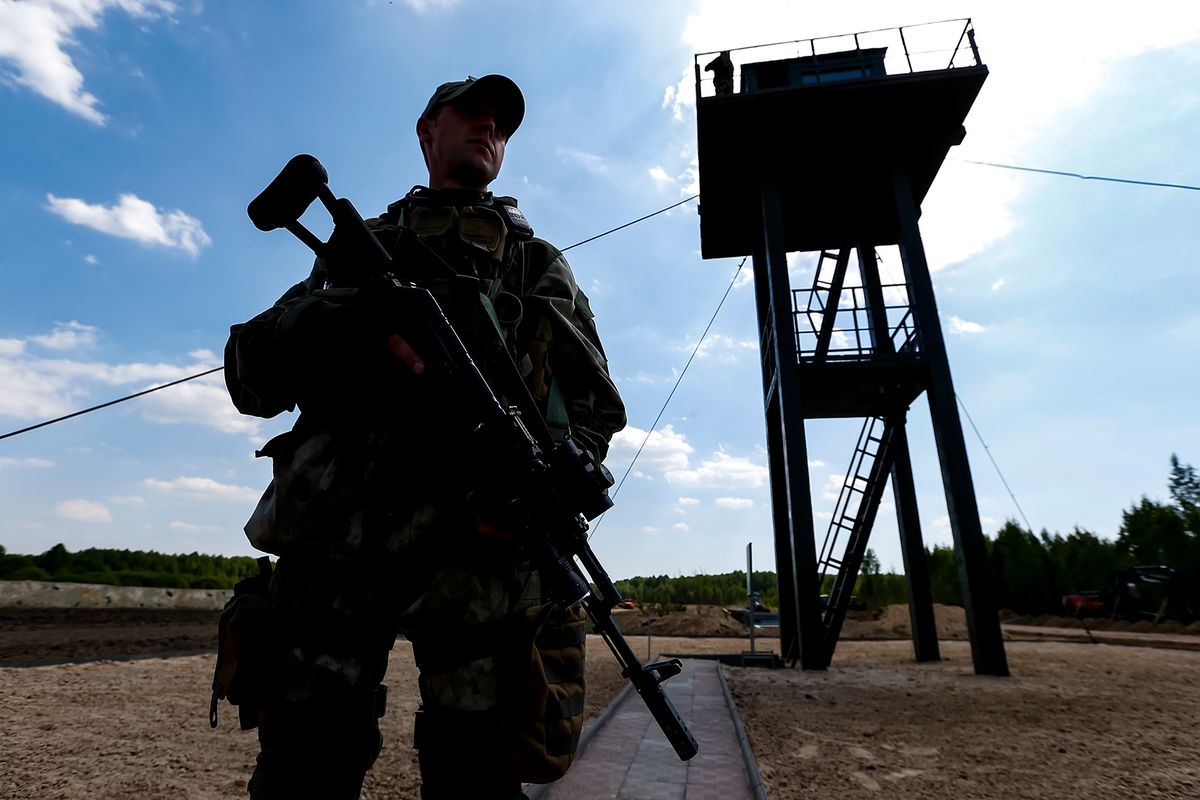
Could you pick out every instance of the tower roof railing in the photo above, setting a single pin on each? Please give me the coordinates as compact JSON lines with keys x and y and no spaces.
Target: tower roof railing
{"x":927,"y":47}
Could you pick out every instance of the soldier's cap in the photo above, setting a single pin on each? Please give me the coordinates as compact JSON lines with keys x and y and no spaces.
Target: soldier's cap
{"x":504,"y":94}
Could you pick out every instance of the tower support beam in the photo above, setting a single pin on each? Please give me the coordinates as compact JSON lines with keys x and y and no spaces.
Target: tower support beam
{"x":791,"y":491}
{"x":983,"y":624}
{"x":908,"y":520}
{"x":912,"y":549}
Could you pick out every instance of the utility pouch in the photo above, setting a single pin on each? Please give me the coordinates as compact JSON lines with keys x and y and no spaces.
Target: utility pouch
{"x":546,"y":711}
{"x":242,"y":645}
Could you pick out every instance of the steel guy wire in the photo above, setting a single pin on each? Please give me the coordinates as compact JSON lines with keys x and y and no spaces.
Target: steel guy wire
{"x":678,"y":380}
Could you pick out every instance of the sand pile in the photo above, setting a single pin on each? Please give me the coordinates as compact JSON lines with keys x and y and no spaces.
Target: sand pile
{"x":694,"y":620}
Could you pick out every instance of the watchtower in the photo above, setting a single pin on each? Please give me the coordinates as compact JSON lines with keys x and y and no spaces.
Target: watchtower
{"x":829,"y":146}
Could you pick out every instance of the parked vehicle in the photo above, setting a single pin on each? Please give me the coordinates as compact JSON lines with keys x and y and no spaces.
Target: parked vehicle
{"x":1132,"y":593}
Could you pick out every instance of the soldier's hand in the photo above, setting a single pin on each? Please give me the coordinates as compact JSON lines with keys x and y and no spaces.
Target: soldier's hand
{"x":403,"y":351}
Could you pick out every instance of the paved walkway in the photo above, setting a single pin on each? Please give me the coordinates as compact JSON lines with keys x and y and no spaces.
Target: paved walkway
{"x":628,"y":758}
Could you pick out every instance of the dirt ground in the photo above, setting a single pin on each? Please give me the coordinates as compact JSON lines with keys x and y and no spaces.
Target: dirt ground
{"x":1073,"y":720}
{"x":1077,"y":720}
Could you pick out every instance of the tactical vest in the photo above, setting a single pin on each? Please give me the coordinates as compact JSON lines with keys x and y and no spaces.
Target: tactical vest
{"x":485,"y":239}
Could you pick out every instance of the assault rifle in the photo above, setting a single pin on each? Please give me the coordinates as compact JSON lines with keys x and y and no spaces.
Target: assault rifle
{"x":548,"y":490}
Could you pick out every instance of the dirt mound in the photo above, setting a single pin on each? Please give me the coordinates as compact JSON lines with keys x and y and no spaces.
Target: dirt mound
{"x":693,"y":620}
{"x":714,"y":621}
{"x":893,"y":623}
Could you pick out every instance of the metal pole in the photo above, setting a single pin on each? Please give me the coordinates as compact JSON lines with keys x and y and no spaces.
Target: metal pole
{"x":751,"y":595}
{"x":906,"y":55}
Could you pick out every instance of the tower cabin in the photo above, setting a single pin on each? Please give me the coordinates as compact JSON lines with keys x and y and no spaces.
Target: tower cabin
{"x":830,"y":128}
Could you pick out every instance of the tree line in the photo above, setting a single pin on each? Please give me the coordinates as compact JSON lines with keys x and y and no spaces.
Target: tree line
{"x":127,"y":568}
{"x":1030,"y":572}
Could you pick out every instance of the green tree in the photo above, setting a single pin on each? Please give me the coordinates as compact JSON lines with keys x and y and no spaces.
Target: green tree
{"x":1082,"y":560}
{"x":55,"y":559}
{"x":943,"y":576}
{"x":1153,"y":533}
{"x":1022,"y":572}
{"x":1185,"y":491}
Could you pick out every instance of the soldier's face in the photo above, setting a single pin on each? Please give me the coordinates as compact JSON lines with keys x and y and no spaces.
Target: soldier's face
{"x":463,"y":145}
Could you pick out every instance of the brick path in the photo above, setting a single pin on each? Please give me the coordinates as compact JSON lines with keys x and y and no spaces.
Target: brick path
{"x":628,"y":758}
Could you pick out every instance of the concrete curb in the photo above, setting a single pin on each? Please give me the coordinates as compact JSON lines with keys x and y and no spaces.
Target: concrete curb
{"x":756,"y":783}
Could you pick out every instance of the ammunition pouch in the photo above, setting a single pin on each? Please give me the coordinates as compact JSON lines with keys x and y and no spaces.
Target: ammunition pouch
{"x":243,"y":645}
{"x":547,"y":702}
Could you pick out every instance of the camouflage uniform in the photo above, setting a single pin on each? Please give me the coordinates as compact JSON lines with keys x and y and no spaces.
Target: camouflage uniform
{"x":373,"y":531}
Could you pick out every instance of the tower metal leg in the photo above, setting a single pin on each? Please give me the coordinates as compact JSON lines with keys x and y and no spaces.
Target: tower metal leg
{"x":801,"y":630}
{"x":983,"y":624}
{"x":916,"y":565}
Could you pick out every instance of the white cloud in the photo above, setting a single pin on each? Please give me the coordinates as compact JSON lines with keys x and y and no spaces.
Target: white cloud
{"x":681,"y":526}
{"x":801,"y":268}
{"x":137,"y":219}
{"x":91,"y":259}
{"x":721,"y":471}
{"x":723,"y":349}
{"x":669,"y":95}
{"x":688,"y":501}
{"x":207,"y":489}
{"x":664,"y":450}
{"x":204,"y":401}
{"x":190,"y":527}
{"x":35,"y":388}
{"x":745,"y":276}
{"x":34,"y":37}
{"x":36,"y":463}
{"x":691,"y":177}
{"x":430,"y":6}
{"x":650,"y":378}
{"x":998,"y":283}
{"x":83,"y":511}
{"x":960,"y":325}
{"x":128,"y":500}
{"x":649,"y":529}
{"x":733,"y":502}
{"x":833,"y":488}
{"x":660,"y":176}
{"x":589,"y":161}
{"x":67,"y":336}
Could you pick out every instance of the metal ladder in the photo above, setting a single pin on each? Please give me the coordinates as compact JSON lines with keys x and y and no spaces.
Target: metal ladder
{"x":853,"y":518}
{"x":823,"y":300}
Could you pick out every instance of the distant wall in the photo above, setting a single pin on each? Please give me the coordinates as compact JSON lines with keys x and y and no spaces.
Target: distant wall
{"x":43,"y":594}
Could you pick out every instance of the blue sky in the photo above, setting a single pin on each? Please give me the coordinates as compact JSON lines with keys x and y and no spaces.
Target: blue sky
{"x":137,"y":130}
